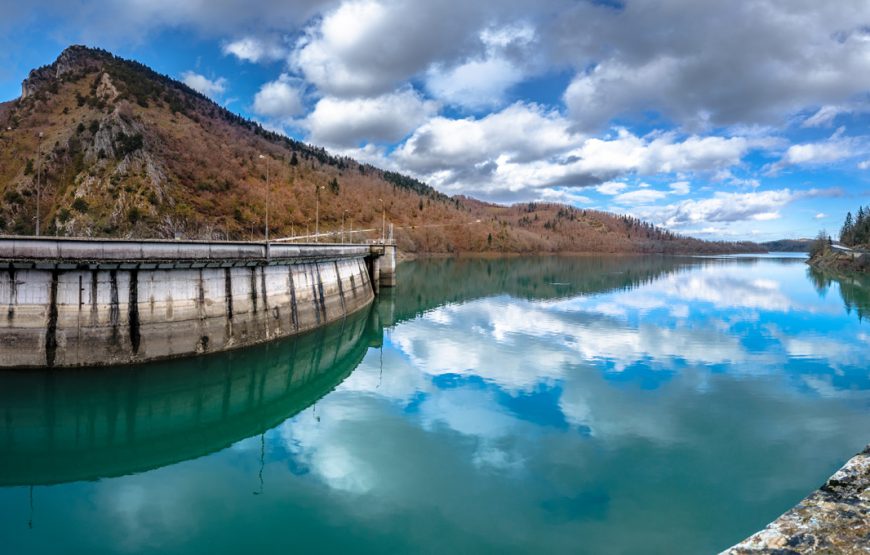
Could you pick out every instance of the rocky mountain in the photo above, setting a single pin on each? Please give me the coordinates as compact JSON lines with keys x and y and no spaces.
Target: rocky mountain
{"x":107,"y":147}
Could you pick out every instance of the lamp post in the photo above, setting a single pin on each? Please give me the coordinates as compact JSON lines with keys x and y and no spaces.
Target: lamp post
{"x":383,"y":221}
{"x":343,"y":214}
{"x":38,"y":180}
{"x":267,"y":198}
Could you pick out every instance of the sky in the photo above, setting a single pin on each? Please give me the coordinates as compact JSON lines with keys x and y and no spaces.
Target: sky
{"x":744,"y":119}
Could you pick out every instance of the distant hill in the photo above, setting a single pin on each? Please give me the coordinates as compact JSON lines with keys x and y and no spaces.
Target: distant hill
{"x":788,"y":245}
{"x":127,"y":152}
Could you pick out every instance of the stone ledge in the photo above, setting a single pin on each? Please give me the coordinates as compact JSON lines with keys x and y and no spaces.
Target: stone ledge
{"x":833,"y":519}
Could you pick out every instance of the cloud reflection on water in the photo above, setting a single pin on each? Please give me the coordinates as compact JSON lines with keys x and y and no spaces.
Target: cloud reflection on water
{"x":686,"y":333}
{"x":711,"y":394}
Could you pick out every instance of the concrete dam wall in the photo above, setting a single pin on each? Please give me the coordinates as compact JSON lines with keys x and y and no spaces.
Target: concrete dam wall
{"x":96,"y":303}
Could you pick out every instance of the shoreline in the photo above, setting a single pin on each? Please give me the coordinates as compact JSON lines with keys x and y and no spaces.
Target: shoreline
{"x":842,"y":262}
{"x":833,"y":519}
{"x":404,"y":256}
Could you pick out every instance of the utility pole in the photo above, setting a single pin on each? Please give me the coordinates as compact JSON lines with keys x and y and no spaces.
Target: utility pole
{"x":343,"y":214}
{"x":38,"y":180}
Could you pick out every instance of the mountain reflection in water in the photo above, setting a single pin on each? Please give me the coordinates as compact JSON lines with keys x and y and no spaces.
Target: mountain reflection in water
{"x":65,"y":425}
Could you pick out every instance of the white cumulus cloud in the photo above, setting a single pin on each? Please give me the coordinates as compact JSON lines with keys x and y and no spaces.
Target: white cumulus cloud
{"x":383,"y":119}
{"x":640,"y":196}
{"x":482,"y":82}
{"x":507,"y":154}
{"x":202,"y":84}
{"x":474,"y":84}
{"x":834,"y":149}
{"x":703,"y":64}
{"x":280,"y":99}
{"x":611,"y":188}
{"x":368,"y":47}
{"x":724,"y":207}
{"x":680,"y":187}
{"x":253,"y":49}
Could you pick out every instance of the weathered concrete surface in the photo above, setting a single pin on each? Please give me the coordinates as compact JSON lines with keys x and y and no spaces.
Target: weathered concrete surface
{"x":833,"y":519}
{"x":27,"y":252}
{"x":80,"y":303}
{"x":387,"y":266}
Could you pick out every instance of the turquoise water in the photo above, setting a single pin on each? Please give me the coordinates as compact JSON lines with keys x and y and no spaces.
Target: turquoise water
{"x":547,"y":405}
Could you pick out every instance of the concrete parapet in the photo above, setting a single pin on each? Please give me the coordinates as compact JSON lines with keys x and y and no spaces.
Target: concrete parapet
{"x":83,"y":303}
{"x":107,"y":253}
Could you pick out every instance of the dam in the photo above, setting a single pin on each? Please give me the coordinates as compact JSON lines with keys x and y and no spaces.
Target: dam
{"x":87,"y":302}
{"x":95,"y":423}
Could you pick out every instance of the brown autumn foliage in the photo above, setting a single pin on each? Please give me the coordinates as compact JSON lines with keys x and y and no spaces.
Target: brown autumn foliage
{"x":127,"y":152}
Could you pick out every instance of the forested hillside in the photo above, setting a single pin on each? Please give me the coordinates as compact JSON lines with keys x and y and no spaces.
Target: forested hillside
{"x":856,"y":231}
{"x":101,"y":146}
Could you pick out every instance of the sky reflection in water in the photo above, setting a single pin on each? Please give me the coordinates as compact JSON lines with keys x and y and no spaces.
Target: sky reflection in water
{"x":593,"y":405}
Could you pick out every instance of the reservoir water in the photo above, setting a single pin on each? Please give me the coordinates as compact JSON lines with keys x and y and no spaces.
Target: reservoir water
{"x":527,"y":405}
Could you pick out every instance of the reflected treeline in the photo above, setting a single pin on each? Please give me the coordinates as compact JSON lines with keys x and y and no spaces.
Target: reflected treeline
{"x":854,"y":289}
{"x":65,"y":425}
{"x":426,"y":284}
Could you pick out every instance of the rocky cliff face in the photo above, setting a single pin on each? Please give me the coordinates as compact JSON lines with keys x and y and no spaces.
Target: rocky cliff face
{"x":73,"y":59}
{"x":89,"y":141}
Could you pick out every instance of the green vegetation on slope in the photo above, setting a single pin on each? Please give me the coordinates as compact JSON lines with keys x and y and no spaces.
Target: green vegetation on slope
{"x":856,"y":232}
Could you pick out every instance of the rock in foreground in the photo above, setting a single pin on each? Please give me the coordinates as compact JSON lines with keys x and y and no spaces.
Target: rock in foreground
{"x":833,"y":519}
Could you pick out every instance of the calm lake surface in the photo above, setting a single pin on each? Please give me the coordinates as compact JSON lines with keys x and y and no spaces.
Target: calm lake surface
{"x":546,"y":405}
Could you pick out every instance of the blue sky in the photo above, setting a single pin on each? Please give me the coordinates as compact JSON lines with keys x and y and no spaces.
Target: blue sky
{"x":742,"y":119}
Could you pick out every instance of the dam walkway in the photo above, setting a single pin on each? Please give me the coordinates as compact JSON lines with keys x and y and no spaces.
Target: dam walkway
{"x":78,"y":253}
{"x":95,"y":302}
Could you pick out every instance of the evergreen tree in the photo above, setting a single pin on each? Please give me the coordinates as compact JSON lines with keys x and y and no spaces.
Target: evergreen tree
{"x":856,"y":231}
{"x":861,"y":234}
{"x":848,"y":231}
